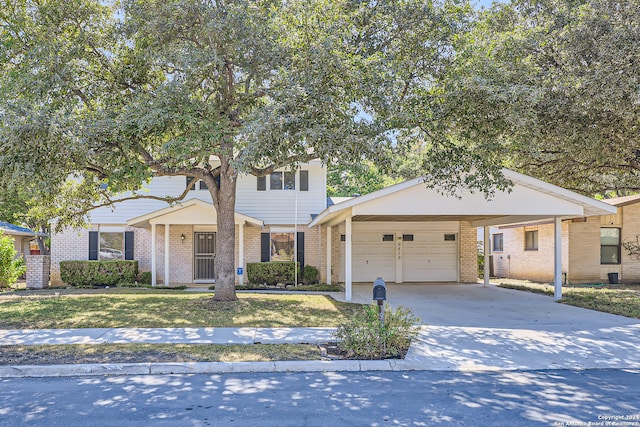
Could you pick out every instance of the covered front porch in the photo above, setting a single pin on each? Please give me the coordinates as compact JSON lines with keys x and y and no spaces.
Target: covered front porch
{"x":182,"y":242}
{"x":411,"y":233}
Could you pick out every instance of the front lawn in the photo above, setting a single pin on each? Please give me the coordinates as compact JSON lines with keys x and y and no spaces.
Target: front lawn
{"x":616,"y":299}
{"x":153,"y":353}
{"x":150,"y":308}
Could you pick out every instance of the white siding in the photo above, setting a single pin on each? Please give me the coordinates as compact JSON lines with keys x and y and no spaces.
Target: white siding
{"x":271,"y":206}
{"x":278,"y":206}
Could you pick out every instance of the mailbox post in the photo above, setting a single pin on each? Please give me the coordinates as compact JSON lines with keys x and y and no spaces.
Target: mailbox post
{"x":380,"y":295}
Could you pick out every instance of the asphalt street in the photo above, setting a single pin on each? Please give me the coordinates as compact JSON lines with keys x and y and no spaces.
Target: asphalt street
{"x":410,"y":398}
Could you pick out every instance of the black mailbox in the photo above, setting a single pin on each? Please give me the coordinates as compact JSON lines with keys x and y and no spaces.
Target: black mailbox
{"x":379,"y":290}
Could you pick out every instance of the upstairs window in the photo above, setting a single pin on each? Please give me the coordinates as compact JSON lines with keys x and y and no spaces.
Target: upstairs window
{"x":283,"y":181}
{"x":201,"y":185}
{"x":531,"y":240}
{"x":498,"y":242}
{"x":609,"y":245}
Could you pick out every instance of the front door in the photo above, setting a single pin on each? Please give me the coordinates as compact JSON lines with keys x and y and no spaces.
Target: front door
{"x":204,"y":253}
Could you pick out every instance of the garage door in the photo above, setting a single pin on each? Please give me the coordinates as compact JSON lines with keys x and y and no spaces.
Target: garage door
{"x":429,"y":257}
{"x":373,"y":256}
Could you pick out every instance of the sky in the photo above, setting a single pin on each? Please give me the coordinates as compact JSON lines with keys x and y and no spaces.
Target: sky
{"x":487,"y":3}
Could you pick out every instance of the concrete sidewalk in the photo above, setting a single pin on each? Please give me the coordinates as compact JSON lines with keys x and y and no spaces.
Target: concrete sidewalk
{"x":437,"y":348}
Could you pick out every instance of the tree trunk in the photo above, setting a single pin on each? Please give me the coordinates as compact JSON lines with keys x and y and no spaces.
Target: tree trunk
{"x":225,"y":205}
{"x":44,"y":250}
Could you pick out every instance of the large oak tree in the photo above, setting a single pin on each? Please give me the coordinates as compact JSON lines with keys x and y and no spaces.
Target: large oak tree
{"x":96,"y":98}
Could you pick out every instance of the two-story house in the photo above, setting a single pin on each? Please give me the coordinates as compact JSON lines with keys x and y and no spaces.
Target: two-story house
{"x":405,"y":233}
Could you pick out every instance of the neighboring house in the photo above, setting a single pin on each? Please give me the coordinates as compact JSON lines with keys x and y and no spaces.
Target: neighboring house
{"x":403,"y":233}
{"x":22,"y":237}
{"x":593,"y":247}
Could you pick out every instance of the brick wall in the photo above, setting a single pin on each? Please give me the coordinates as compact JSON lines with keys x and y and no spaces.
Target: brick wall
{"x":518,"y":263}
{"x":468,"y":253}
{"x":72,"y":244}
{"x":180,"y":254}
{"x":630,"y":229}
{"x":69,"y":245}
{"x":584,"y":251}
{"x":38,"y":270}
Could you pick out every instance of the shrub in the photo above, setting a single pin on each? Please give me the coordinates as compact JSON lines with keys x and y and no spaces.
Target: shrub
{"x":480,"y":249}
{"x":364,"y":337}
{"x":310,"y":275}
{"x":271,"y":273}
{"x":11,"y":268}
{"x":144,"y":278}
{"x":91,"y":273}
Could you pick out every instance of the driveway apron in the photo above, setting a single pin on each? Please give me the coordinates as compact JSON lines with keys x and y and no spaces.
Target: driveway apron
{"x":472,"y":327}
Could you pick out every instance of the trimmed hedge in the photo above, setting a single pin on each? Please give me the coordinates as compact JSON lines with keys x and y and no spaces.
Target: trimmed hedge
{"x":91,"y":273}
{"x":310,"y":275}
{"x":272,"y":273}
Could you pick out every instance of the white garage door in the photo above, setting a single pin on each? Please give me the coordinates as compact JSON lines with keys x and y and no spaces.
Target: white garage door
{"x":373,"y":256}
{"x":429,"y":257}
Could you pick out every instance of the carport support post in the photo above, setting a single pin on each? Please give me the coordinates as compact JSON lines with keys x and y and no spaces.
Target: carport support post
{"x":328,"y":266}
{"x":347,"y":260}
{"x":166,"y":254}
{"x":487,"y":255}
{"x":557,"y":258}
{"x":154,"y":256}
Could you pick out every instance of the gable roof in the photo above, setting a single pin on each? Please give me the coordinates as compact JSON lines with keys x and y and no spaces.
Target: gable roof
{"x":623,"y":201}
{"x":144,"y":221}
{"x":505,"y":207}
{"x":16,"y":230}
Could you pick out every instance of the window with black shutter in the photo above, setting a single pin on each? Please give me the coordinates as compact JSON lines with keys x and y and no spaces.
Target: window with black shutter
{"x":262,"y":183}
{"x":304,"y":180}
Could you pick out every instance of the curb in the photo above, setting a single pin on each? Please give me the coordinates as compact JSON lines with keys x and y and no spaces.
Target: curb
{"x":81,"y":370}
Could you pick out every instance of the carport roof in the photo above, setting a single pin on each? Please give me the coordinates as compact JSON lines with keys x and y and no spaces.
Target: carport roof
{"x":530,"y":199}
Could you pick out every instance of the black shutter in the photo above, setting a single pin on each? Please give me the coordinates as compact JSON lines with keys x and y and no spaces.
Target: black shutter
{"x":128,"y":245}
{"x":193,"y":187}
{"x":93,"y":245}
{"x":262,"y":183}
{"x":304,"y":180}
{"x":265,"y":250}
{"x":300,"y":248}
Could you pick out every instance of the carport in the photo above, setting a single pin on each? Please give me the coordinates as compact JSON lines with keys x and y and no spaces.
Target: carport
{"x":410,"y":233}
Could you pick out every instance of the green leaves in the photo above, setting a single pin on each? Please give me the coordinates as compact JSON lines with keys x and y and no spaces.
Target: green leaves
{"x":561,"y":81}
{"x":11,"y":268}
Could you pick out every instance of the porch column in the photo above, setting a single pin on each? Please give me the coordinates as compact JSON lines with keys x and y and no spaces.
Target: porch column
{"x":347,"y":260}
{"x":557,"y":258}
{"x":154,"y":256}
{"x":487,"y":255}
{"x":241,"y":252}
{"x":328,"y":257}
{"x":166,"y":254}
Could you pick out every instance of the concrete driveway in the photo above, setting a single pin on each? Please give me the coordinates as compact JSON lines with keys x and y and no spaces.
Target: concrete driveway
{"x":472,"y":327}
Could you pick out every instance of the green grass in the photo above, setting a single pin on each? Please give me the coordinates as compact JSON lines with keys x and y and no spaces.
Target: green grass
{"x":623,"y":300}
{"x":319,"y":287}
{"x":123,"y":307}
{"x":147,"y":353}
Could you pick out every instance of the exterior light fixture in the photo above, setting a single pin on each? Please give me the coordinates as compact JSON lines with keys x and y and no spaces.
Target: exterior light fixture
{"x":182,"y":237}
